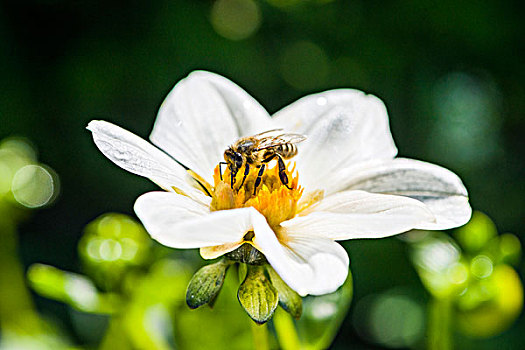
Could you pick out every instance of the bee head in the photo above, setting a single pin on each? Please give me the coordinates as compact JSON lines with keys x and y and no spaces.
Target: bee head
{"x":234,"y":159}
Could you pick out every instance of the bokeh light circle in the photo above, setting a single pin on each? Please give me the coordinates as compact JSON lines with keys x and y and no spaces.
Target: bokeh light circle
{"x":235,"y":19}
{"x":481,"y":266}
{"x":33,"y":186}
{"x":304,"y":65}
{"x":392,"y":319}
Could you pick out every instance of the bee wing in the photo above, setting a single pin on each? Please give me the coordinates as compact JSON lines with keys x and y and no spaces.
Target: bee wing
{"x":274,"y":141}
{"x":266,"y":132}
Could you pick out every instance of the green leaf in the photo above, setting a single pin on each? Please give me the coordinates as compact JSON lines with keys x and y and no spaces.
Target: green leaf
{"x":288,"y":298}
{"x":206,"y":284}
{"x":257,"y":295}
{"x":71,"y":288}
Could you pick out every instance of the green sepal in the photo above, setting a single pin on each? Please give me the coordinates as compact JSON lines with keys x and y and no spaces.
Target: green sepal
{"x":289,"y":300}
{"x":206,"y":284}
{"x":257,"y":295}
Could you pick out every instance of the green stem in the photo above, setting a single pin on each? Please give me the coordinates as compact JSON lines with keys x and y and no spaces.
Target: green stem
{"x":116,"y":336}
{"x":286,"y":332}
{"x":439,"y":324}
{"x":17,"y":311}
{"x":260,"y":336}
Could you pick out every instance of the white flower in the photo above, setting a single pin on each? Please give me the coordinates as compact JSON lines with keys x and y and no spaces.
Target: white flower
{"x":353,"y":185}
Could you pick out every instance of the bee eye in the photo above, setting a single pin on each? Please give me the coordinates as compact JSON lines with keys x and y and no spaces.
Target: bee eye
{"x":238,"y":160}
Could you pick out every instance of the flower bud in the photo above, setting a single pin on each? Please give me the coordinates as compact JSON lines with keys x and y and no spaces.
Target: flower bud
{"x":257,"y":295}
{"x":206,"y":284}
{"x":289,"y":300}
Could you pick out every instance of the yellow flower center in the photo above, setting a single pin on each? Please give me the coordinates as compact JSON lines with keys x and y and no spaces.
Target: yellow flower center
{"x":271,"y":198}
{"x":276,"y":201}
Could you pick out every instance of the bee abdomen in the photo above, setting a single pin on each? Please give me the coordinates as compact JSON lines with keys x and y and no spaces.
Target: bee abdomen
{"x":287,"y":150}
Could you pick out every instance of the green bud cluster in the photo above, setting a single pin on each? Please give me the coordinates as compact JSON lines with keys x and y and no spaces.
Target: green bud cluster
{"x":259,"y":293}
{"x":473,"y":271}
{"x":112,"y":245}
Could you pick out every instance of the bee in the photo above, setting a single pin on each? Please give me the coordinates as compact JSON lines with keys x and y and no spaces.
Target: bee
{"x":257,"y":151}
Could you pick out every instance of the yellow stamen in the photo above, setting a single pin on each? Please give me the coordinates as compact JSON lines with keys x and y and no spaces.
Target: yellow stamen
{"x":205,"y":185}
{"x":272,"y":198}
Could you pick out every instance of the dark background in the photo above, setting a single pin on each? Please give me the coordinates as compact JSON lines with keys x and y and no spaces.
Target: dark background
{"x":450,"y":72}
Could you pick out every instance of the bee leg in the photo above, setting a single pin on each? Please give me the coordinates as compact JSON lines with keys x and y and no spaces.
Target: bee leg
{"x":220,"y":168}
{"x":246,"y":172}
{"x":282,"y":172}
{"x":259,"y":178}
{"x":233,"y":174}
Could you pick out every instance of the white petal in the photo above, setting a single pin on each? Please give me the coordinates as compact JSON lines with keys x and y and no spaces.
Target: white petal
{"x":179,"y":222}
{"x":201,"y":116}
{"x":216,"y":251}
{"x":440,"y":189}
{"x":136,"y":155}
{"x":343,"y":127}
{"x":450,"y":212}
{"x":359,"y":214}
{"x":309,"y":265}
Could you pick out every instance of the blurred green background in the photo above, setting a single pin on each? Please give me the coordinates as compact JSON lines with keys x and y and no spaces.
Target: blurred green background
{"x":450,"y":72}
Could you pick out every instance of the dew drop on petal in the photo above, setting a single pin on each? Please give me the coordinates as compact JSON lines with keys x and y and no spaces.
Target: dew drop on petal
{"x":321,"y":101}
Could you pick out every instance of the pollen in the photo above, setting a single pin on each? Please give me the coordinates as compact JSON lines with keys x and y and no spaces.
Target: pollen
{"x":273,"y":199}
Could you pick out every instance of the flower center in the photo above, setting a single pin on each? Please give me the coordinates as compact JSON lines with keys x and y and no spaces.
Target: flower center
{"x":273,"y":199}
